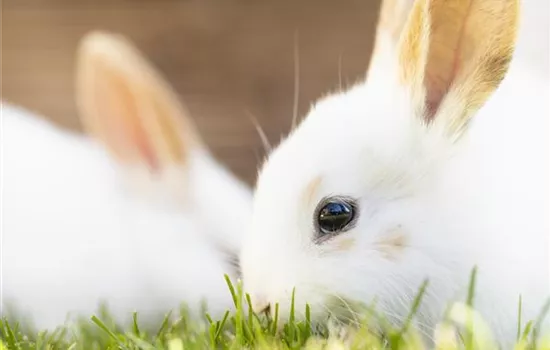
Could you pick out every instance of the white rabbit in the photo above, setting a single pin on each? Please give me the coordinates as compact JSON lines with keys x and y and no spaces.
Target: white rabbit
{"x":430,"y":167}
{"x":138,"y":215}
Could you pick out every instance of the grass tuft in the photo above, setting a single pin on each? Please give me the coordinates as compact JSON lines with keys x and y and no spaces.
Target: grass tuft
{"x":244,"y":329}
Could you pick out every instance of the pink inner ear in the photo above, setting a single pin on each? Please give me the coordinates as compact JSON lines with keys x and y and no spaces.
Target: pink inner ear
{"x":437,"y":87}
{"x":444,"y":63}
{"x":438,"y":83}
{"x":433,"y":100}
{"x":145,"y":148}
{"x":124,"y":132}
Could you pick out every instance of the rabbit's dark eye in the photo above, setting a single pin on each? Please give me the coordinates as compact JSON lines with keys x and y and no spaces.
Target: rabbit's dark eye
{"x":334,"y":215}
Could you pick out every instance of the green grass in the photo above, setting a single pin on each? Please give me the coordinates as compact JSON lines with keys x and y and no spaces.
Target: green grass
{"x":242,"y":329}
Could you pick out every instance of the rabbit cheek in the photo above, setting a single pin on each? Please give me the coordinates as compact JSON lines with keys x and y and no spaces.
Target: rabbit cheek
{"x":392,"y":244}
{"x":340,"y":244}
{"x":345,"y":244}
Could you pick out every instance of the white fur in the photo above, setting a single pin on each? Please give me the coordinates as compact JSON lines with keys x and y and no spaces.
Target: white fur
{"x":74,"y":233}
{"x":483,"y":202}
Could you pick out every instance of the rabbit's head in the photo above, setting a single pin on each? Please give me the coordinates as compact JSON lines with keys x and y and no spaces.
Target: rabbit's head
{"x":128,"y":107}
{"x":345,"y":208}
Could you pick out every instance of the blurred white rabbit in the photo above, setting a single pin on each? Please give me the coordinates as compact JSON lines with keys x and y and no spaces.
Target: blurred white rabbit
{"x":437,"y":163}
{"x":139,"y":215}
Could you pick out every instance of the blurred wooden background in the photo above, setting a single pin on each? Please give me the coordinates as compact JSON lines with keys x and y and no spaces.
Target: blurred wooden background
{"x":223,"y":58}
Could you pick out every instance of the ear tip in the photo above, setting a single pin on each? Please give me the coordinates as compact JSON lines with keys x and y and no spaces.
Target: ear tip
{"x":104,"y":46}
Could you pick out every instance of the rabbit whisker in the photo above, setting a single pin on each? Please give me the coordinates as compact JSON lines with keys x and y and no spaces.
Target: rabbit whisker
{"x":261,"y":133}
{"x":296,"y":81}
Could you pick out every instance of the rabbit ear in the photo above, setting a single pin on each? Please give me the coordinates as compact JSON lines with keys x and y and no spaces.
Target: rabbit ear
{"x":453,"y":54}
{"x":392,"y":17}
{"x":125,"y":103}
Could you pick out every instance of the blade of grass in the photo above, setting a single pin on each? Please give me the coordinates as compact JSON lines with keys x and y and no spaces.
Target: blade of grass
{"x":292,"y":317}
{"x":538,"y":323}
{"x":275,"y":320}
{"x":469,"y":336}
{"x":101,"y":325}
{"x":250,"y":312}
{"x":142,"y":344}
{"x":231,"y":289}
{"x":212,"y":334}
{"x":222,"y":324}
{"x":472,"y":287}
{"x":518,"y":337}
{"x":239,"y":327}
{"x":527,"y":330}
{"x":163,"y":325}
{"x":135,"y":326}
{"x":247,"y":330}
{"x":9,"y":335}
{"x":308,"y":322}
{"x":415,"y":306}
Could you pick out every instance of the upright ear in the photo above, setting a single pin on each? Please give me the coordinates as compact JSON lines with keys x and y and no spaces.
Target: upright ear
{"x":128,"y":106}
{"x":453,"y":54}
{"x":392,"y":17}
